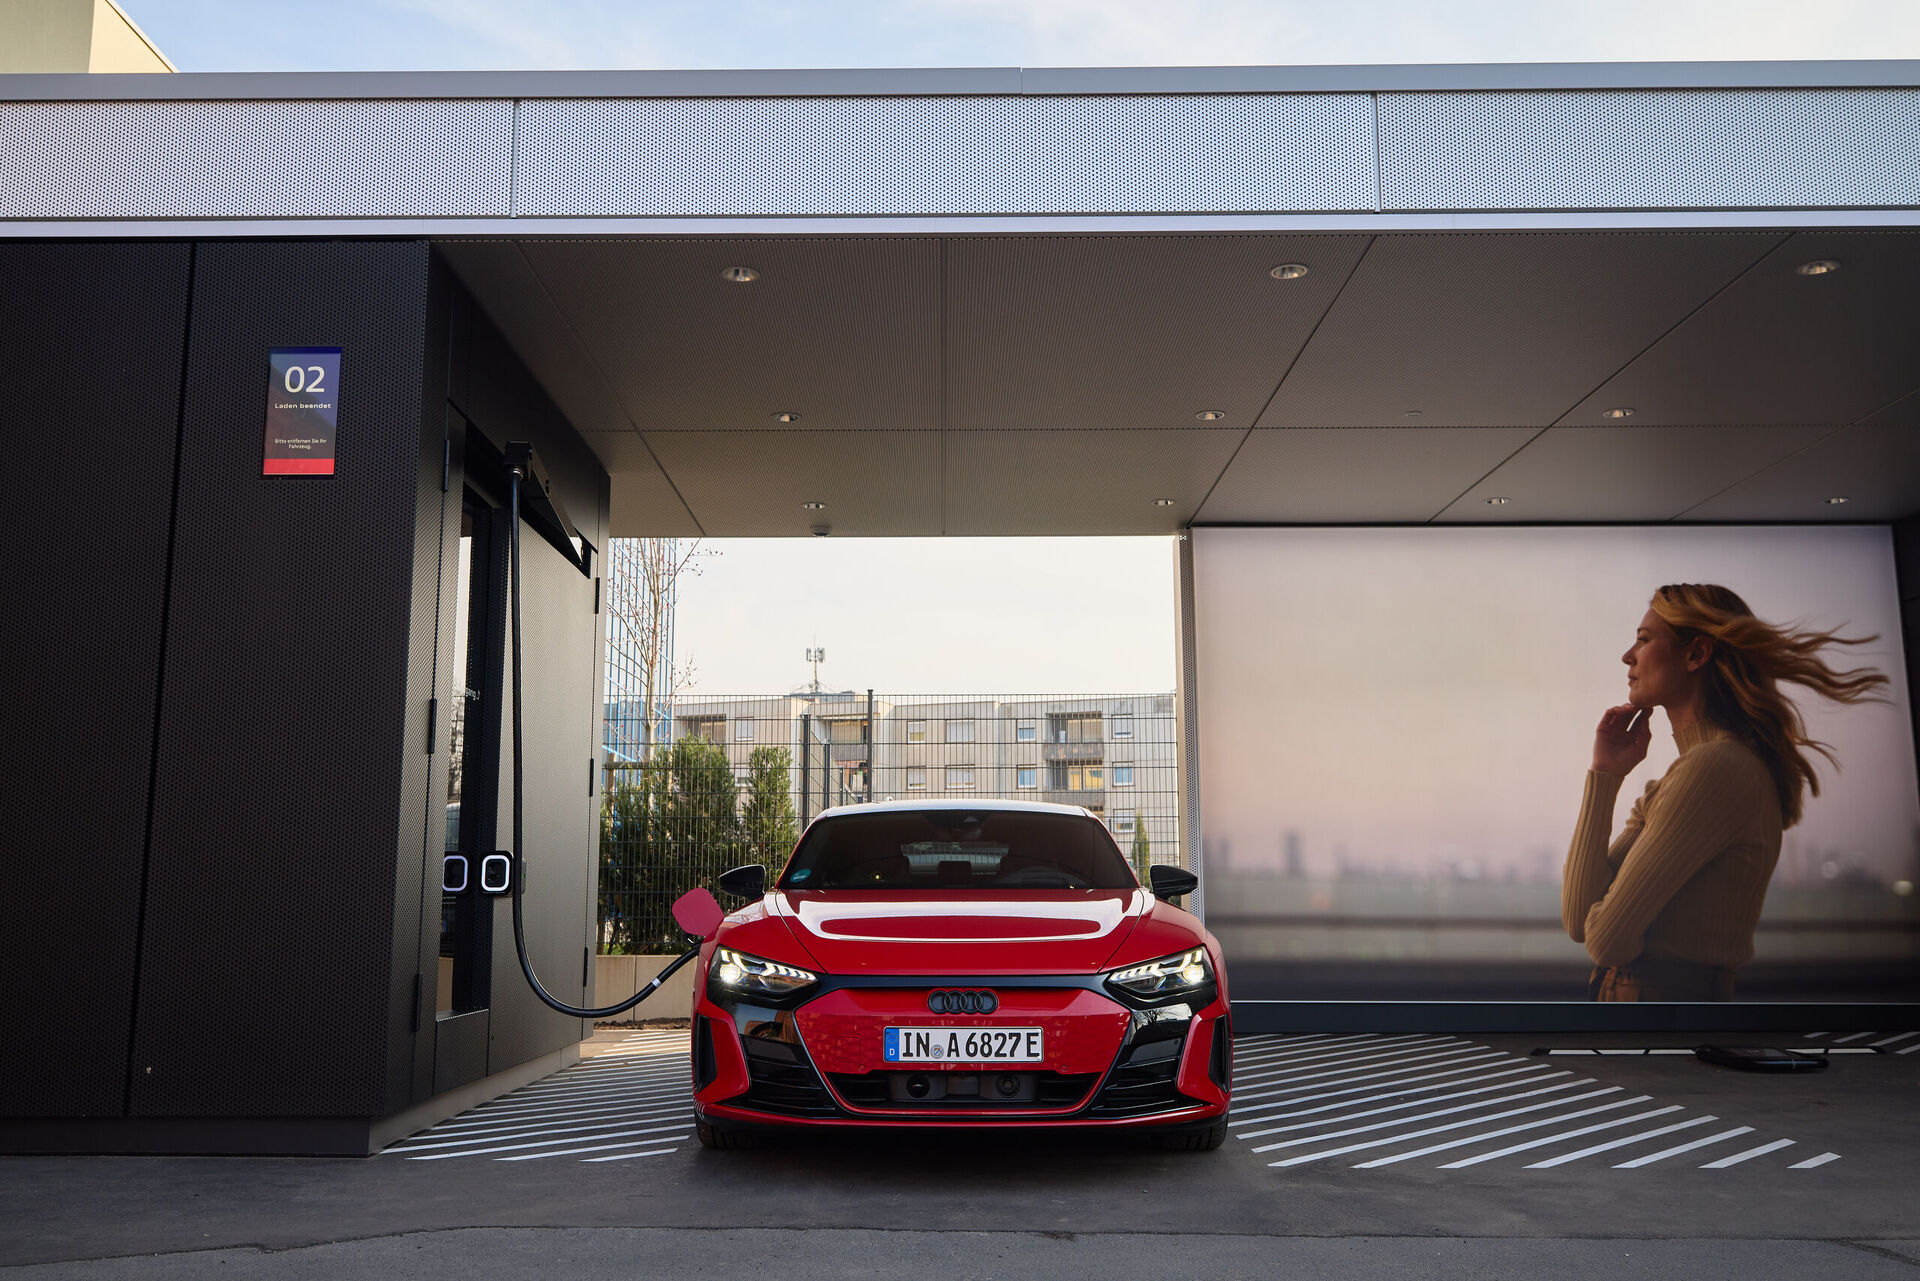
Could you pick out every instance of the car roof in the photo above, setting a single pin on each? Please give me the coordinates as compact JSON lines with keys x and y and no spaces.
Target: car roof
{"x":954,"y":803}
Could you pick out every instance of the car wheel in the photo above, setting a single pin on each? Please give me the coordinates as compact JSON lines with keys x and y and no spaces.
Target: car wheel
{"x":723,"y":1138}
{"x":1203,"y":1138}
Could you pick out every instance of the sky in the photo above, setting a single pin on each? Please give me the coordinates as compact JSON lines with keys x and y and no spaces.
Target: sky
{"x":1084,"y":616}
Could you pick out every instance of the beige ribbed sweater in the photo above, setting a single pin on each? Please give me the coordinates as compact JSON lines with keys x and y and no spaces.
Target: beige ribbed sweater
{"x":1687,"y":876}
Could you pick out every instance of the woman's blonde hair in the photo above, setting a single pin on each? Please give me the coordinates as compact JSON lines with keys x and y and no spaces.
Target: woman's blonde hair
{"x":1750,"y":659}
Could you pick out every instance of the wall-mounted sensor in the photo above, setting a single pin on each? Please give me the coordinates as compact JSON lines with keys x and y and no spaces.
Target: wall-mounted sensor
{"x":821,"y":531}
{"x":496,"y":873}
{"x":453,"y":874}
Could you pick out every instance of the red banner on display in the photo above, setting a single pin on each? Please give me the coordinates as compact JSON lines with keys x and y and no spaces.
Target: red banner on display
{"x":297,"y":467}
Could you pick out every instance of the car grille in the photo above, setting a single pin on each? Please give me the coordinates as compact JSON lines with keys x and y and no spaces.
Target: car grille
{"x":1053,"y":1092}
{"x":1142,"y":1084}
{"x":782,"y":1080}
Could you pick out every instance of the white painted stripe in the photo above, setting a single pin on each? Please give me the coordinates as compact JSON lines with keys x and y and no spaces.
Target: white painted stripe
{"x":1471,"y":1139}
{"x":1697,"y":1144}
{"x":515,"y":1147}
{"x":1811,"y":1036}
{"x":1334,"y":1049}
{"x":1424,"y":1116}
{"x":1313,"y":1046}
{"x":582,"y":1097}
{"x":514,"y":1131}
{"x":1856,"y":1036}
{"x":1373,"y":1058}
{"x":1274,"y":1109}
{"x":1396,"y":1070}
{"x":573,"y":1130}
{"x":1896,"y":1037}
{"x":626,"y":1156}
{"x":1748,"y":1155}
{"x":610,"y":1108}
{"x":1394,"y":1107}
{"x":1815,"y":1161}
{"x":604,"y":1147}
{"x":1611,"y":1144}
{"x":1908,"y":1049}
{"x":1440,"y":1129}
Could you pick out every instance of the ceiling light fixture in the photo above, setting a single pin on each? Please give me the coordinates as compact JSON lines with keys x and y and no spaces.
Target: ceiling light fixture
{"x":1411,"y":413}
{"x":1211,"y":415}
{"x":1289,"y":271}
{"x":1168,"y":502}
{"x":1837,"y":501}
{"x":1622,"y":412}
{"x":1498,"y":502}
{"x":740,"y":275}
{"x":786,"y":416}
{"x":1819,"y":267}
{"x":813,"y":506}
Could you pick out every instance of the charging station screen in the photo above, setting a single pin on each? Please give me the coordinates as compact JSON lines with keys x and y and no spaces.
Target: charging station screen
{"x":303,"y":411}
{"x":1395,"y":728}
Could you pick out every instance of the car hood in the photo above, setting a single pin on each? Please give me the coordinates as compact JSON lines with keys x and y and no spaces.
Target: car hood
{"x":975,"y":933}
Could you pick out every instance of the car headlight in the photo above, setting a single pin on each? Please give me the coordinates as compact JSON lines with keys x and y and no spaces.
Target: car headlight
{"x":741,"y":974}
{"x":1168,"y":976}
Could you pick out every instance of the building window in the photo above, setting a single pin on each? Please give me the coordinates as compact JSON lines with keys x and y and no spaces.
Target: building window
{"x":1028,"y":776}
{"x":1076,"y":778}
{"x":711,"y":728}
{"x":959,"y":777}
{"x":1123,"y":725}
{"x":916,"y":731}
{"x":849,"y":730}
{"x":742,"y":775}
{"x":1123,"y":820}
{"x":916,"y":778}
{"x":960,"y":732}
{"x":1123,"y":776}
{"x":743,"y":729}
{"x":1023,"y":731}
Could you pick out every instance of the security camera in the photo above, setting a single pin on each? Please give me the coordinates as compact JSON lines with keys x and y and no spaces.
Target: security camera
{"x":821,"y":531}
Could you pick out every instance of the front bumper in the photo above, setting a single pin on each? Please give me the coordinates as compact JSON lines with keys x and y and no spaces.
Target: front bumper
{"x":821,"y":1063}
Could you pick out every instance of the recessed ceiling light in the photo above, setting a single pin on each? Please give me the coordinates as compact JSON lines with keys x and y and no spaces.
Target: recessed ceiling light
{"x":812,"y":506}
{"x":1211,"y":415}
{"x":1839,"y":500}
{"x":1411,"y":413}
{"x":1168,"y":502}
{"x":1289,"y":271}
{"x":1622,"y":412}
{"x":786,"y":416}
{"x":1498,"y":502}
{"x":1819,"y":267}
{"x":740,"y":275}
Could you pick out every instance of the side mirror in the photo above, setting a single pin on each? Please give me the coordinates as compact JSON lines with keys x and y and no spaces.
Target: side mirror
{"x":1171,"y":882}
{"x":698,"y":913}
{"x":747,"y":882}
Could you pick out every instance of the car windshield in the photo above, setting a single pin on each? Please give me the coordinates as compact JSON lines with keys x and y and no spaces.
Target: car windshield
{"x":959,"y":850}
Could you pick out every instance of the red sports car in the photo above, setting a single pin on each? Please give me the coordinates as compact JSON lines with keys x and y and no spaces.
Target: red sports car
{"x":940,"y":964}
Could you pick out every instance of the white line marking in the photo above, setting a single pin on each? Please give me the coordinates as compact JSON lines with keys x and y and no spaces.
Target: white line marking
{"x":1909,"y":1049}
{"x":1335,"y":1050}
{"x":1361,"y":1062}
{"x":576,"y":1131}
{"x":1424,"y":1116}
{"x":1394,"y":1107}
{"x":1812,"y":1036}
{"x":627,"y":1156}
{"x":1438,"y":1129}
{"x":1273,"y":1108}
{"x":1470,"y":1139}
{"x":475,"y":1126}
{"x":515,"y":1147}
{"x":581,"y":1099}
{"x":1897,"y":1036}
{"x":604,"y":1147}
{"x":1748,"y":1155}
{"x":1375,"y":1076}
{"x":514,"y":1132}
{"x":1813,"y":1161}
{"x":1611,"y":1144}
{"x":1664,"y":1153}
{"x":1857,"y":1036}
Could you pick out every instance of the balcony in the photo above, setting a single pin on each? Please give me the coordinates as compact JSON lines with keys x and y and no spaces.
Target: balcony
{"x":1073,"y":751}
{"x":1093,"y":798}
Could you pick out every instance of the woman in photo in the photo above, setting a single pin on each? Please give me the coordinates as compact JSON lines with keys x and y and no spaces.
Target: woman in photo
{"x":1667,"y":911}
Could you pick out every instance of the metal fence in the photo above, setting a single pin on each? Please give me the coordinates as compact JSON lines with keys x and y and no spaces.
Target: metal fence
{"x":733,"y":780}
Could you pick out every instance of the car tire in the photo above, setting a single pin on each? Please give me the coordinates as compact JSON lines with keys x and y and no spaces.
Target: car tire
{"x":1203,"y":1138}
{"x":723,"y":1138}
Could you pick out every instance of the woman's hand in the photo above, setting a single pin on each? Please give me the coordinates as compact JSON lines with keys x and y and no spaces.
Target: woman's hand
{"x":1621,"y":741}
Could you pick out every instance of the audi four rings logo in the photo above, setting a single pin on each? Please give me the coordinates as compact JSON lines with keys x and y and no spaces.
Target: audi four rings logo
{"x":962,"y":1002}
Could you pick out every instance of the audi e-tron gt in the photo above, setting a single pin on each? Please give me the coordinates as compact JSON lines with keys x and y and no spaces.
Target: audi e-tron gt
{"x":938,"y":964}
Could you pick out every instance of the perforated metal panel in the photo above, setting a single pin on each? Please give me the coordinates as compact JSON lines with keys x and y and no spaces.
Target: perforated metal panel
{"x":336,"y":159}
{"x":1651,"y":149}
{"x":800,"y":156}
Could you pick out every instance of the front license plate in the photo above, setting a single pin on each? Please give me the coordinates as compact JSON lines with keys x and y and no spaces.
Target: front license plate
{"x":963,"y":1045}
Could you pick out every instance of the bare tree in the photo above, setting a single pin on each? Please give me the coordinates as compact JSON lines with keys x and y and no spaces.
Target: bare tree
{"x":644,"y":574}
